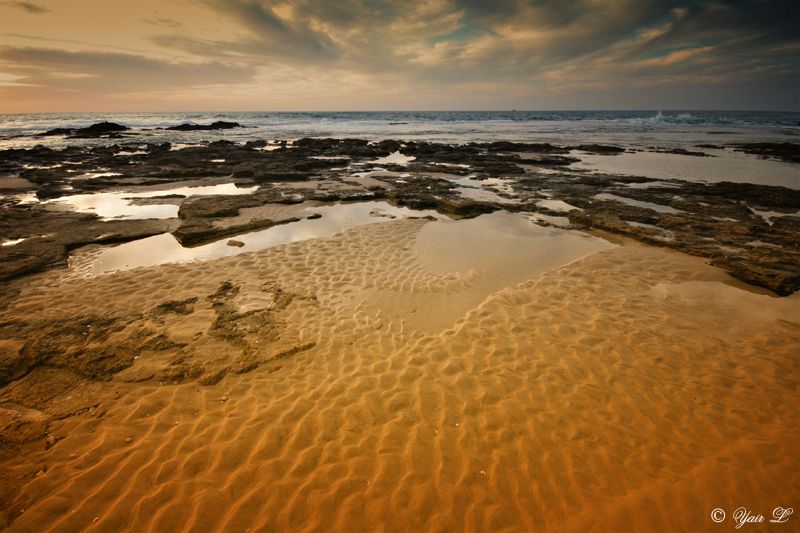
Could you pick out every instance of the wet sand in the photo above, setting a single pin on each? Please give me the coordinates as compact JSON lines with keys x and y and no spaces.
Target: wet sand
{"x":364,"y":383}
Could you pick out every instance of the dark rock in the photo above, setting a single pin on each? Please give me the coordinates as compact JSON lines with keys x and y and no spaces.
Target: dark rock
{"x":159,"y":148}
{"x":57,"y":131}
{"x":547,"y":160}
{"x":715,"y":220}
{"x":215,"y":206}
{"x":218,"y":125}
{"x":603,"y":149}
{"x":101,"y":128}
{"x":710,"y":146}
{"x":222,"y":143}
{"x":195,"y":232}
{"x":507,"y":146}
{"x":176,"y":307}
{"x":14,"y":361}
{"x":67,"y":231}
{"x":252,"y":145}
{"x":681,"y":151}
{"x":95,"y":130}
{"x":786,"y":151}
{"x":770,"y":274}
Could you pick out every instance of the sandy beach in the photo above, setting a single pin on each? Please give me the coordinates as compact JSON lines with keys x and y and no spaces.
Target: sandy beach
{"x":426,"y":266}
{"x":347,"y":381}
{"x":327,"y":334}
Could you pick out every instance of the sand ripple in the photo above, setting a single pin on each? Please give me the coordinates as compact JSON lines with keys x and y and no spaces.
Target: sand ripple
{"x":629,"y":390}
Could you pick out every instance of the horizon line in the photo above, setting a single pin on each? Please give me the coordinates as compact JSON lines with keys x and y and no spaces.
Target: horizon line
{"x":511,"y":110}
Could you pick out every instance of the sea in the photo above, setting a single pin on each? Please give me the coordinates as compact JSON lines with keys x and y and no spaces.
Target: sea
{"x":627,"y":128}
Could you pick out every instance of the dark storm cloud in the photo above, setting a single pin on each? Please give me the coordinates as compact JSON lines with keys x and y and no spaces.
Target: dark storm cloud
{"x":269,"y":34}
{"x":30,"y":7}
{"x":532,"y":34}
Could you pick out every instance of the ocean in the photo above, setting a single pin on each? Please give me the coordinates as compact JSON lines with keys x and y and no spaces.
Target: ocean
{"x":628,"y":128}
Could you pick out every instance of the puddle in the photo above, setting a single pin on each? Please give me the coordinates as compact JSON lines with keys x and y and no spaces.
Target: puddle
{"x":498,"y":183}
{"x":637,"y":203}
{"x":395,"y":158}
{"x":533,"y":169}
{"x":112,"y":205}
{"x":487,"y":254}
{"x":180,"y":146}
{"x":26,"y":199}
{"x":15,"y":183}
{"x":726,"y":166}
{"x":30,"y":166}
{"x":92,"y":175}
{"x":379,"y":173}
{"x":561,"y":222}
{"x":769,"y":215}
{"x":163,"y":249}
{"x":481,"y":190}
{"x":642,"y":225}
{"x":762,"y":243}
{"x":660,"y":233}
{"x":271,"y":146}
{"x":483,"y":195}
{"x":650,"y":185}
{"x":501,"y":242}
{"x":559,"y":206}
{"x":454,"y":165}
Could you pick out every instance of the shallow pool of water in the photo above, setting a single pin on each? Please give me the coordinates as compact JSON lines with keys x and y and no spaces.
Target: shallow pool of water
{"x":559,"y":206}
{"x":164,"y":248}
{"x":637,"y":203}
{"x":726,"y":166}
{"x":769,"y":215}
{"x":121,"y":205}
{"x":512,"y":246}
{"x":395,"y":158}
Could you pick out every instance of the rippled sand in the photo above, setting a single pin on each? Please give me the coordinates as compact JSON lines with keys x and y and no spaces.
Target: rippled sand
{"x":632,"y":389}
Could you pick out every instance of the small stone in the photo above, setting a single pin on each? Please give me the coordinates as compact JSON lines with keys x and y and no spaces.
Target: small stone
{"x":234,"y":242}
{"x":129,"y":440}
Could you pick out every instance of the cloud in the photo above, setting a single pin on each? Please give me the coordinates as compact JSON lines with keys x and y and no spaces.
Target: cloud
{"x":503,"y":50}
{"x":164,"y":22}
{"x":269,"y":34}
{"x":92,"y":73}
{"x":30,"y":7}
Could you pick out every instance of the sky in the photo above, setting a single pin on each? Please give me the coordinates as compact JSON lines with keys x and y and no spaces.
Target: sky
{"x":304,"y":55}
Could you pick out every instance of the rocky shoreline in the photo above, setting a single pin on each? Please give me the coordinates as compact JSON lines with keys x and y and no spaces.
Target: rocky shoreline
{"x":751,"y":231}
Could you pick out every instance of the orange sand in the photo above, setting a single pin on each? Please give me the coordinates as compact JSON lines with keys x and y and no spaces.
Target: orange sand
{"x":633,"y":389}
